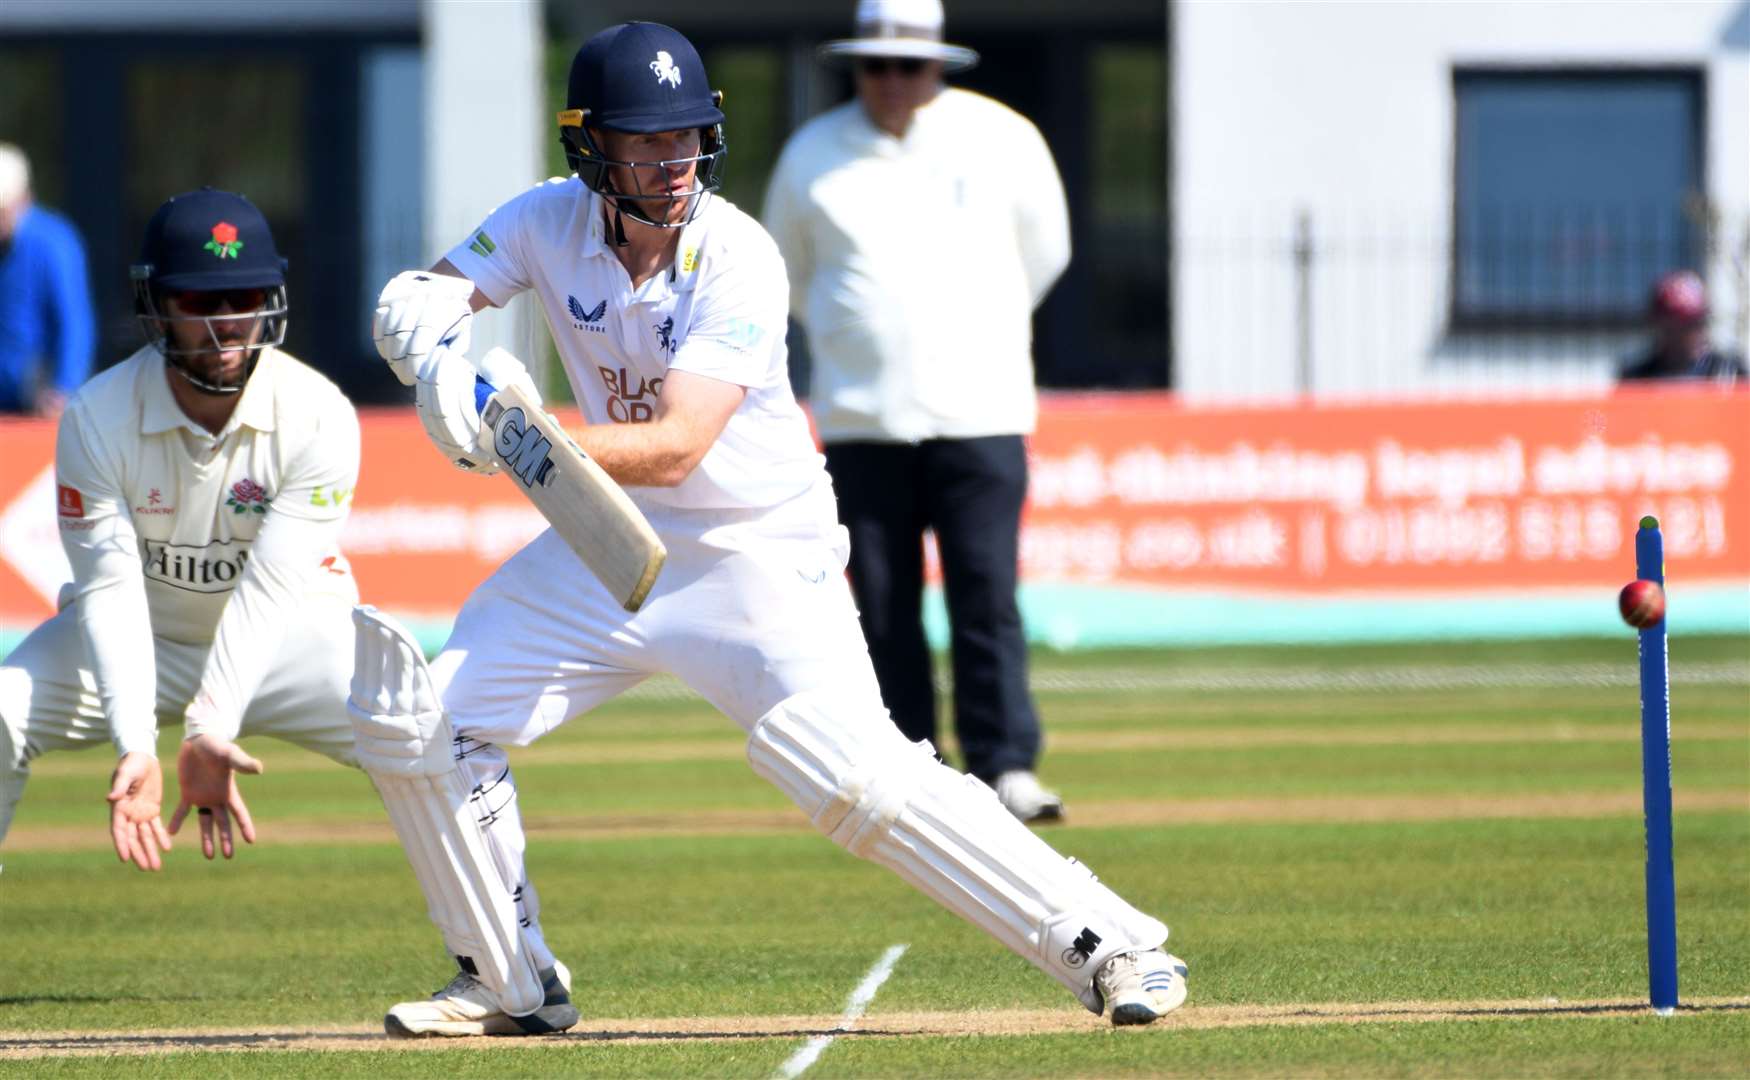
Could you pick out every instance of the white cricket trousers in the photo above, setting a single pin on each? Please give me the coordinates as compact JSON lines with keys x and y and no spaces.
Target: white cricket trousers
{"x":748,"y":610}
{"x":48,"y":696}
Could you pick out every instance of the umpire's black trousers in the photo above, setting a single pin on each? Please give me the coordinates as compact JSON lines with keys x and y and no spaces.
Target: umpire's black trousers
{"x":969,"y":491}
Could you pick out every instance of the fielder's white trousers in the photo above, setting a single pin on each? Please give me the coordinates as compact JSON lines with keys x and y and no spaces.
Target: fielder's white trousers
{"x":749,"y":610}
{"x":48,"y":696}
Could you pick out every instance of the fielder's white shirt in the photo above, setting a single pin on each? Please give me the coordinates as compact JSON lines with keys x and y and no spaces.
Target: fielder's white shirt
{"x":915,"y":264}
{"x":719,"y":310}
{"x":198,"y":538}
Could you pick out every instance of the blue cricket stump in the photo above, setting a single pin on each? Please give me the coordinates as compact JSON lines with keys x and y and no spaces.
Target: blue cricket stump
{"x":1656,"y":782}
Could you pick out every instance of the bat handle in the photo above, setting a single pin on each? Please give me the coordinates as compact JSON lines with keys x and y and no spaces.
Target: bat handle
{"x":483,"y":392}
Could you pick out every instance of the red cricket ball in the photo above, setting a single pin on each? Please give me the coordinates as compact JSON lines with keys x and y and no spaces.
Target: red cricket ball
{"x":1642,"y":603}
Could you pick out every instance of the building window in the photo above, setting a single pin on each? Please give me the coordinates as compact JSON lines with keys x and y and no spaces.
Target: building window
{"x":1574,"y":190}
{"x":1124,"y":235}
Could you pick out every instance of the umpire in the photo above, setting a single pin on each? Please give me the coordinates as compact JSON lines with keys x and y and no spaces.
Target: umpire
{"x":921,"y":226}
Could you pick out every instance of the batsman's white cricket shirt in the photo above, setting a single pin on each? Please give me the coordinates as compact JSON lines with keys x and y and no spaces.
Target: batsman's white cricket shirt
{"x":915,"y":264}
{"x":719,"y":310}
{"x":176,"y":533}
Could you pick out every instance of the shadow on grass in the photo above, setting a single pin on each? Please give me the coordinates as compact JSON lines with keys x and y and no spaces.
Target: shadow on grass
{"x":1558,"y":1009}
{"x":60,"y":1043}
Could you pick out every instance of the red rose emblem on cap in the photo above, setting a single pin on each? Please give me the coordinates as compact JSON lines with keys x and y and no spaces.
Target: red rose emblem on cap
{"x":224,"y":243}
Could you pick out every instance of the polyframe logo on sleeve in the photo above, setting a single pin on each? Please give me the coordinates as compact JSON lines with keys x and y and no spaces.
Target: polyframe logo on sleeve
{"x":70,"y":502}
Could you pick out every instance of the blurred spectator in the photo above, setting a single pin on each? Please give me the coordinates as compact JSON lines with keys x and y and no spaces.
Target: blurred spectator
{"x":1681,"y":350}
{"x":46,"y":329}
{"x":921,"y":226}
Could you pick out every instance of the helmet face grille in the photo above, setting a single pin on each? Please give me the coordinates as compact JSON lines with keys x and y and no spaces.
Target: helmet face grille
{"x":642,"y":78}
{"x":595,"y":169}
{"x":155,"y":323}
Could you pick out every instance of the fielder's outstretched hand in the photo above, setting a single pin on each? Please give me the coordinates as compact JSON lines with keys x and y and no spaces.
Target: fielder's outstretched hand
{"x":206,"y":770}
{"x":136,"y":798}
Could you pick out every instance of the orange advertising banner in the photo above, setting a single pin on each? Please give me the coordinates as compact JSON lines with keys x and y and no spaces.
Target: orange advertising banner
{"x":1387,"y":497}
{"x":1140,"y":490}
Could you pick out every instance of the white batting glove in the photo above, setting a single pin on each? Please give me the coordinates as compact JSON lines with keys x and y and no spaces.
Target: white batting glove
{"x":501,"y":369}
{"x":418,"y":311}
{"x":450,"y":391}
{"x":444,"y":395}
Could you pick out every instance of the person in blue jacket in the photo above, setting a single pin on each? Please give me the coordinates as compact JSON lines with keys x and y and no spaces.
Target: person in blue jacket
{"x":47,"y":333}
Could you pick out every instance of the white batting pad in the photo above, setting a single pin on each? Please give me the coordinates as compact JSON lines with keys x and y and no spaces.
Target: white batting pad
{"x":891,"y":802}
{"x":405,"y":746}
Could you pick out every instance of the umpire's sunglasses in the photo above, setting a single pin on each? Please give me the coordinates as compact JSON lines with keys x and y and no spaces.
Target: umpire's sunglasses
{"x":207,"y":302}
{"x":881,"y":65}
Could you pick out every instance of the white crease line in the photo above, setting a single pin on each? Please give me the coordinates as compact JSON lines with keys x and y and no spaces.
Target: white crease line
{"x":860,"y":999}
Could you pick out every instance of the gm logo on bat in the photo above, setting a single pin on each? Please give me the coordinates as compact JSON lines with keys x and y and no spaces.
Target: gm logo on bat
{"x":525,"y":451}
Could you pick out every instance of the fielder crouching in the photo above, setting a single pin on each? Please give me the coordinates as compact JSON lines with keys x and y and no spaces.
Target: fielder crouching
{"x":669,"y":307}
{"x":201,"y":486}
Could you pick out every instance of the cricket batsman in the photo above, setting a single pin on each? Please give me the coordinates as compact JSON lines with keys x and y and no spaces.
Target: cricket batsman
{"x":669,"y":307}
{"x":201,"y":488}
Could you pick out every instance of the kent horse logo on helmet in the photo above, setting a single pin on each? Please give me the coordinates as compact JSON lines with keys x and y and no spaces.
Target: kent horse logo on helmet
{"x":665,"y":70}
{"x":615,"y":86}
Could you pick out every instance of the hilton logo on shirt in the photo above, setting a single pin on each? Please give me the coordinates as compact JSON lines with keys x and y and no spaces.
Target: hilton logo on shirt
{"x":214,"y":568}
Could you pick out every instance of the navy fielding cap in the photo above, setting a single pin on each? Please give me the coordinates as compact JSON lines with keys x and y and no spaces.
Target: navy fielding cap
{"x":641,"y":77}
{"x":210,"y":239}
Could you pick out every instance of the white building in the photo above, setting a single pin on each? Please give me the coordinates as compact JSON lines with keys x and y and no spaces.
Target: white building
{"x":1547,"y":156}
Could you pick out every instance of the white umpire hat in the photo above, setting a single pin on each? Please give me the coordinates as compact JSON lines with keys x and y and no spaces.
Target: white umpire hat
{"x":906,"y":29}
{"x":14,"y":174}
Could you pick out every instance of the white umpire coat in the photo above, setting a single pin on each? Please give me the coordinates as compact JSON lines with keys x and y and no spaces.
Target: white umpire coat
{"x":915,"y":264}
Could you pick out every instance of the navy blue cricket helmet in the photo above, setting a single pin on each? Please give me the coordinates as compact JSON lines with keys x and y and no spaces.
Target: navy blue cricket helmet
{"x":641,"y":77}
{"x":214,"y":251}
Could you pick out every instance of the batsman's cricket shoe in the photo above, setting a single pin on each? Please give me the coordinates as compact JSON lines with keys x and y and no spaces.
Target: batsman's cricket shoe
{"x":1026,"y":798}
{"x":466,"y":1007}
{"x":1142,"y":987}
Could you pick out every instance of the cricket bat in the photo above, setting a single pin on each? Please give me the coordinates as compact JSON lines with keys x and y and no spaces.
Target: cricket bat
{"x":582,"y":503}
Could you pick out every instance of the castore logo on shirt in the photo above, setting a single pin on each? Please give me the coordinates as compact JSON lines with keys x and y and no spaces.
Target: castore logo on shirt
{"x":587,"y":320}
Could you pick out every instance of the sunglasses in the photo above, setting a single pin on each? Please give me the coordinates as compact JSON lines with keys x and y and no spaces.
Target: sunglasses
{"x":881,"y":65}
{"x":206,"y":302}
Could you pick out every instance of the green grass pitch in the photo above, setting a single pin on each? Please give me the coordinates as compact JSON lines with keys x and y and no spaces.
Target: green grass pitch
{"x":1377,"y":861}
